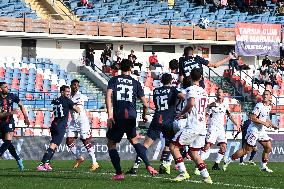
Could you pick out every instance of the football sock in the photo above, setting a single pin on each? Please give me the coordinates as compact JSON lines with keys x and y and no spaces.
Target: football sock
{"x":252,"y":154}
{"x":115,"y":160}
{"x":47,"y":156}
{"x":13,"y":152}
{"x":5,"y":146}
{"x":203,"y":171}
{"x":137,"y":162}
{"x":165,"y":156}
{"x":220,"y":156}
{"x":179,"y":162}
{"x":203,"y":154}
{"x":72,"y":148}
{"x":264,"y":162}
{"x":90,"y":150}
{"x":141,"y":152}
{"x":242,"y":159}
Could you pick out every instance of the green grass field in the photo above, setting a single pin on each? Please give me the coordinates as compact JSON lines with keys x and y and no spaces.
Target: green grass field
{"x":63,"y":176}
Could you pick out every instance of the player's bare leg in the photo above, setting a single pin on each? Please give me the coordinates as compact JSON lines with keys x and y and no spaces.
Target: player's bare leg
{"x":241,"y":152}
{"x":147,"y":143}
{"x":70,"y":141}
{"x":200,"y":165}
{"x":267,"y":148}
{"x":220,"y":156}
{"x":115,"y":160}
{"x":88,"y":145}
{"x":183,"y":175}
{"x":45,"y":162}
{"x":141,"y":151}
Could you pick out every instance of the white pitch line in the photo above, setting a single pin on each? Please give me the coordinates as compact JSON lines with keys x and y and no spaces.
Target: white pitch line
{"x":164,"y":178}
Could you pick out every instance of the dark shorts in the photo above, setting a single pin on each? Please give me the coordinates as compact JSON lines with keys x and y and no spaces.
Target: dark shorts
{"x":7,"y":128}
{"x":154,"y":132}
{"x":57,"y":131}
{"x":121,"y":126}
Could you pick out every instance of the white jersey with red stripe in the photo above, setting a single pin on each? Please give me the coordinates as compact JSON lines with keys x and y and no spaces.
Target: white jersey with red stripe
{"x":79,"y":100}
{"x":217,"y":116}
{"x":196,"y":121}
{"x":262,"y":112}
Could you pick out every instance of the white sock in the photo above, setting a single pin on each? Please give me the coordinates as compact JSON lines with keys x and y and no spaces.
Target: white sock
{"x":228,"y":160}
{"x":263,"y":164}
{"x":219,"y":158}
{"x":181,"y":167}
{"x":204,"y":155}
{"x":91,"y":152}
{"x":204,"y":173}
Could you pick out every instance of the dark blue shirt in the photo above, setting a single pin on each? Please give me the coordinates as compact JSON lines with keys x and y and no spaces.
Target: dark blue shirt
{"x":165,"y":99}
{"x":125,"y":92}
{"x":6,"y":105}
{"x":61,"y":109}
{"x":186,"y":64}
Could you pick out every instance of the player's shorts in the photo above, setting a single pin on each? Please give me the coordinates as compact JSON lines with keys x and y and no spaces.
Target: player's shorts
{"x":179,"y":124}
{"x":214,"y":136}
{"x":76,"y":128}
{"x":253,"y":135}
{"x":7,"y":128}
{"x":186,"y":137}
{"x":167,"y":131}
{"x":121,"y":126}
{"x":57,"y":131}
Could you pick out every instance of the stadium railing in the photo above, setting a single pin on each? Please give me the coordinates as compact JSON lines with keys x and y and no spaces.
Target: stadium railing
{"x":166,"y":30}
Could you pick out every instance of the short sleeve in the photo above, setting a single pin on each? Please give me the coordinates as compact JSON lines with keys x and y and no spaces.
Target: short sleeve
{"x":111,"y":84}
{"x":140,"y":91}
{"x":190,"y":94}
{"x":180,"y":63}
{"x":15,"y":98}
{"x":201,"y":60}
{"x":257,"y":109}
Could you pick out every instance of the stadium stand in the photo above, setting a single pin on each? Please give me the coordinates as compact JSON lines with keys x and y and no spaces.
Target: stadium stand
{"x":184,"y":13}
{"x":16,"y":9}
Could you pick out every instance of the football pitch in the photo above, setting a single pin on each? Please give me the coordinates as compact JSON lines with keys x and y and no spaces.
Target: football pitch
{"x":64,"y":176}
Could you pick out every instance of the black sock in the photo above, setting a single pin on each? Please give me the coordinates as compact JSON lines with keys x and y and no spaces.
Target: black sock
{"x":183,"y":152}
{"x":242,"y":159}
{"x":165,"y":156}
{"x":141,"y":152}
{"x":47,"y":156}
{"x":252,"y":154}
{"x":13,"y":152}
{"x":115,"y":160}
{"x":138,"y":160}
{"x":5,"y":146}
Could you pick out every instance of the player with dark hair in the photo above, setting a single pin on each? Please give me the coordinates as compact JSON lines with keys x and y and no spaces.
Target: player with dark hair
{"x":80,"y":125}
{"x":244,"y":128}
{"x":7,"y":122}
{"x":216,"y":128}
{"x":61,"y":108}
{"x":122,"y":93}
{"x":165,"y":99}
{"x":256,"y":132}
{"x":188,"y":61}
{"x":193,"y":135}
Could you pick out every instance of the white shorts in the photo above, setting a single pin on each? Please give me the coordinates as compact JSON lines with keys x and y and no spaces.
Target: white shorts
{"x":253,"y":135}
{"x":179,"y":124}
{"x":214,"y":136}
{"x":75,"y":128}
{"x":186,"y":138}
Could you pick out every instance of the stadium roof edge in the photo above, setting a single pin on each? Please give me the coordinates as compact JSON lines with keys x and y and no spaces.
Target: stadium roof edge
{"x":110,"y":38}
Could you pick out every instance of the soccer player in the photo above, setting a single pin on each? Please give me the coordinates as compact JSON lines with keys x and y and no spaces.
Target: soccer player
{"x":244,"y":128}
{"x":188,"y":61}
{"x":165,"y":99}
{"x":7,"y":122}
{"x":61,"y":108}
{"x":122,"y":92}
{"x":80,"y":125}
{"x":216,"y":129}
{"x":256,"y":132}
{"x":194,"y":132}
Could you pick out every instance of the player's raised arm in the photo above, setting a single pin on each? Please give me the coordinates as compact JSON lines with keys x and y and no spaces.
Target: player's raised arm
{"x":219,"y":63}
{"x":23,"y":110}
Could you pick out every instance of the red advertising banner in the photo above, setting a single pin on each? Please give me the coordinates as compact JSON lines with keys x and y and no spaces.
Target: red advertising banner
{"x":258,"y":39}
